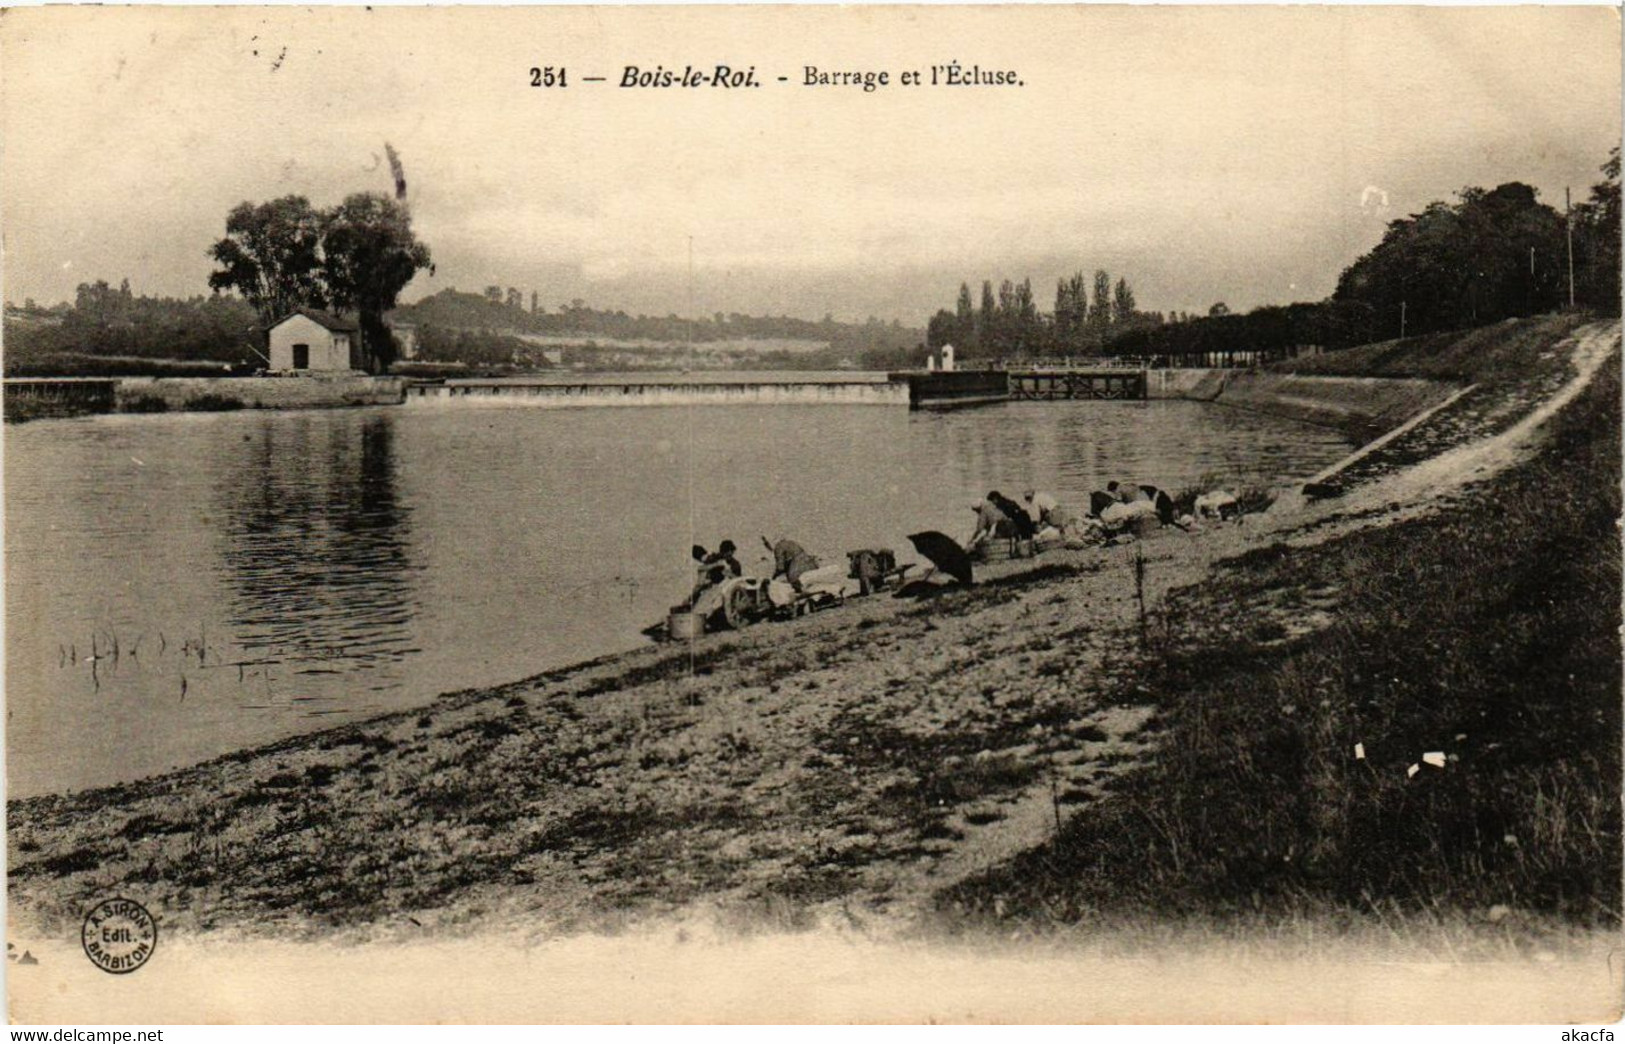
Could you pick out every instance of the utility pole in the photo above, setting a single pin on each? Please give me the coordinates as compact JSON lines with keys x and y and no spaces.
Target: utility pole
{"x":1568,"y":225}
{"x":691,"y":301}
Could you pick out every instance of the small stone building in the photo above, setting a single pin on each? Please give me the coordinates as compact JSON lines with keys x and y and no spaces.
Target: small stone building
{"x":309,"y":339}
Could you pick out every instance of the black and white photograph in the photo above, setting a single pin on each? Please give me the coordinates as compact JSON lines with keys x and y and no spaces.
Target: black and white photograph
{"x":812,"y":514}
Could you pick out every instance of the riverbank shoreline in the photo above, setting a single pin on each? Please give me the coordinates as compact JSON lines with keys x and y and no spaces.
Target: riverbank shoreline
{"x":867,"y":766}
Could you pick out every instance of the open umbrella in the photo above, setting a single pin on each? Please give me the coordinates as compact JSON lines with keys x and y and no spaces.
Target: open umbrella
{"x":944,"y":553}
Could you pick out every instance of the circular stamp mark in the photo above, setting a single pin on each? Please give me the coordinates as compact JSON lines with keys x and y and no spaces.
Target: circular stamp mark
{"x":119,"y":936}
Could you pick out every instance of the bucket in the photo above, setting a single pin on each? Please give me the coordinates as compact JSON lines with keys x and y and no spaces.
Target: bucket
{"x":683,"y":625}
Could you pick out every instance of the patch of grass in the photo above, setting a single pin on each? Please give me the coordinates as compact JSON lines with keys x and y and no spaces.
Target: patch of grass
{"x":148,"y":826}
{"x":1490,"y":634}
{"x":934,"y":829}
{"x":143,"y":404}
{"x":1500,"y":350}
{"x":213,"y":402}
{"x":74,"y":862}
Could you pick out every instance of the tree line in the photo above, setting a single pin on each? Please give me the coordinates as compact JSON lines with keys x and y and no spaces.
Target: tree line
{"x":1008,"y":323}
{"x":1490,"y":255}
{"x":108,"y":322}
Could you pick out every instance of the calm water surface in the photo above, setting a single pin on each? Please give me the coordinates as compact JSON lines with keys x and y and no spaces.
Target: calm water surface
{"x":268,"y":573}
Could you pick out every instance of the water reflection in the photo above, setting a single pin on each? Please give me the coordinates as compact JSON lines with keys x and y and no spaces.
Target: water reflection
{"x":315,"y":552}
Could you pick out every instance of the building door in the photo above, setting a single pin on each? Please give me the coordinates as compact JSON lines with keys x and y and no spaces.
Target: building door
{"x":301,"y":356}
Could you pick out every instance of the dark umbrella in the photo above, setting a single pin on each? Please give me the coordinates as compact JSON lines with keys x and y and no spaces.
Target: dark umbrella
{"x":944,"y":553}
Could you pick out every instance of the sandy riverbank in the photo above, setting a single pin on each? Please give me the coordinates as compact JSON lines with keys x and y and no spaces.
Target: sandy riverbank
{"x":844,"y":769}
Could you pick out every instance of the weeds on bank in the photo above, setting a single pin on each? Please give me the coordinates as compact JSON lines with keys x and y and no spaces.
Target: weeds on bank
{"x":1251,"y":497}
{"x":143,"y":404}
{"x":1487,"y":638}
{"x":212,"y":402}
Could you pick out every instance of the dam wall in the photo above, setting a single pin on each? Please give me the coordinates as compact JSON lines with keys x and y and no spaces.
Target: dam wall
{"x":654,"y":392}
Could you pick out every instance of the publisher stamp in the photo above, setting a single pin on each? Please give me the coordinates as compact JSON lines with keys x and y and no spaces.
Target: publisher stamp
{"x":119,"y":936}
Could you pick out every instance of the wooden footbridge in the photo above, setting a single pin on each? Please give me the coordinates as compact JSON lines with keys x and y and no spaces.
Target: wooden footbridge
{"x":1109,"y":382}
{"x":971,"y":387}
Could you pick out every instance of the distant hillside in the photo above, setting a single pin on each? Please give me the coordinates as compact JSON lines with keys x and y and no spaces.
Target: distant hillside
{"x":739,"y":336}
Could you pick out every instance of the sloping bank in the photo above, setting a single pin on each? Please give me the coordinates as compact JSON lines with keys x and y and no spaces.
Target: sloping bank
{"x":1036,"y":748}
{"x":1368,"y":391}
{"x":1360,"y":407}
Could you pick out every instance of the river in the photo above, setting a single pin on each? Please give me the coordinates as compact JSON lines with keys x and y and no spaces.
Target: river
{"x":180,"y":586}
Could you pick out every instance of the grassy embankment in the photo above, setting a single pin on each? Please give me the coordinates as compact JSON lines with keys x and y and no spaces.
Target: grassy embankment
{"x":1489,"y":634}
{"x":1510,"y":366}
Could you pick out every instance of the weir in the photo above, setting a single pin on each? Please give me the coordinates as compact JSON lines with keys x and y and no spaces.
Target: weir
{"x":674,"y":390}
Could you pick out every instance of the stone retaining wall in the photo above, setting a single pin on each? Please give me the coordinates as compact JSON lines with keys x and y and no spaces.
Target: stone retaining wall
{"x":1361,"y":407}
{"x":269,"y":393}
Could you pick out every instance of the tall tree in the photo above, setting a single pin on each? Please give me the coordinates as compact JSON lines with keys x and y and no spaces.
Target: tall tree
{"x":371,"y":254}
{"x":1596,"y":242}
{"x":1100,"y":308}
{"x":1027,"y":331}
{"x":939,"y":330}
{"x":965,"y":318}
{"x":1123,"y":309}
{"x":986,"y":320}
{"x":271,"y":255}
{"x":1063,"y":312}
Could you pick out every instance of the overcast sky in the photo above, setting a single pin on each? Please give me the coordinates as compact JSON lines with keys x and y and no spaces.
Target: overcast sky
{"x":1244,"y":155}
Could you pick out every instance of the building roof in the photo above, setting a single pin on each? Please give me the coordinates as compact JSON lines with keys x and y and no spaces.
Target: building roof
{"x":321,"y":318}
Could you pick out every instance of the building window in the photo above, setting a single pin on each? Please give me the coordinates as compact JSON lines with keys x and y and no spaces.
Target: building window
{"x":301,"y":356}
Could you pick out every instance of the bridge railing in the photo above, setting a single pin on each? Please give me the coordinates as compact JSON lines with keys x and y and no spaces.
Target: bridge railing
{"x":1227,"y":358}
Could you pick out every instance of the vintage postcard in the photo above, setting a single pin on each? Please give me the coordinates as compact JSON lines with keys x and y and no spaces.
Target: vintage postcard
{"x":812,"y":514}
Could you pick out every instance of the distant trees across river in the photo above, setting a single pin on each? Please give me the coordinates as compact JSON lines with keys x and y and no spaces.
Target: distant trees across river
{"x":1490,"y":255}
